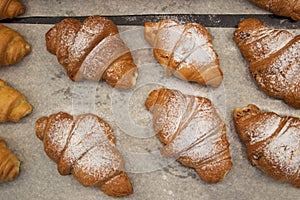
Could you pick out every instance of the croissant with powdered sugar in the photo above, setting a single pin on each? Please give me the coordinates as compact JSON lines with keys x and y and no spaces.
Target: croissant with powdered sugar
{"x":272,"y":142}
{"x":92,"y":50}
{"x":184,"y":50}
{"x":287,"y":8}
{"x":84,"y":146}
{"x":191,"y":131}
{"x":274,"y":59}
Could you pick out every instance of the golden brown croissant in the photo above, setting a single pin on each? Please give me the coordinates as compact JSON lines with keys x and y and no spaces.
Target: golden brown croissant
{"x":272,"y":142}
{"x":192,"y":132}
{"x":185,"y":50}
{"x":85,"y":146}
{"x":287,"y":8}
{"x":13,"y":105}
{"x":274,"y":59}
{"x":11,"y":8}
{"x":9,"y":163}
{"x":12,"y":46}
{"x":92,"y":50}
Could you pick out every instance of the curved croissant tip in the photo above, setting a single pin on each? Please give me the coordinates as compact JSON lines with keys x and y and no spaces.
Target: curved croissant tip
{"x":246,"y":112}
{"x":2,"y":143}
{"x":249,"y":24}
{"x":118,"y":186}
{"x":128,"y":80}
{"x":152,"y":98}
{"x":15,"y":8}
{"x":40,"y":126}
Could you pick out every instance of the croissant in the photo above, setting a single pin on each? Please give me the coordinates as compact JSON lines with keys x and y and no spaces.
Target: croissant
{"x":12,"y":46}
{"x":191,"y":131}
{"x":9,"y":163}
{"x":184,"y":50}
{"x":287,"y":8}
{"x":272,"y":142}
{"x":13,"y":105}
{"x":85,"y":147}
{"x":92,"y":50}
{"x":10,"y":9}
{"x":274,"y":59}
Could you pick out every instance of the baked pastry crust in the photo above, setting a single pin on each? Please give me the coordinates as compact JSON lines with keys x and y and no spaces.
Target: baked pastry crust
{"x":11,"y":8}
{"x":13,"y":47}
{"x":287,"y":8}
{"x":85,"y":147}
{"x":13,"y":104}
{"x":9,"y":163}
{"x":272,"y":142}
{"x":273,"y":56}
{"x":192,"y":131}
{"x":92,"y":50}
{"x":184,"y":50}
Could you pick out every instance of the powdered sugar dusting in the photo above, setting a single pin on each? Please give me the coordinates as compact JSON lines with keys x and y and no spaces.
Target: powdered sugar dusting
{"x":283,"y":72}
{"x":202,"y":54}
{"x":185,"y":46}
{"x":192,"y":130}
{"x":102,"y":55}
{"x":87,"y":35}
{"x":263,"y":128}
{"x":167,"y":117}
{"x":86,"y":133}
{"x":98,"y":164}
{"x":198,"y":126}
{"x":262,"y":42}
{"x":169,"y":32}
{"x":284,"y":149}
{"x":57,"y":133}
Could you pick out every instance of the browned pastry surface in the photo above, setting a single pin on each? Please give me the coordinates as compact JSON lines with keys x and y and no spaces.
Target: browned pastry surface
{"x":11,"y":8}
{"x":192,"y":132}
{"x":13,"y":104}
{"x":185,"y":50}
{"x":85,"y":147}
{"x":287,"y":8}
{"x":92,"y":50}
{"x":9,"y":163}
{"x":274,"y":57}
{"x":12,"y":46}
{"x":272,"y":142}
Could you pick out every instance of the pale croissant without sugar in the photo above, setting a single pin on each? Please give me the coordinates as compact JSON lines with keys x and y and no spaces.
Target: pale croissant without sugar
{"x":11,"y":8}
{"x":184,"y":50}
{"x":84,"y":146}
{"x":274,"y":59}
{"x":92,"y":50}
{"x":9,"y":163}
{"x":287,"y":8}
{"x":13,"y":104}
{"x":13,"y":47}
{"x":191,"y":131}
{"x":272,"y":142}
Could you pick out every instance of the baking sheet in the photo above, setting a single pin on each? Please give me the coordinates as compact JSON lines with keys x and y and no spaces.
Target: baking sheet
{"x":49,"y":90}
